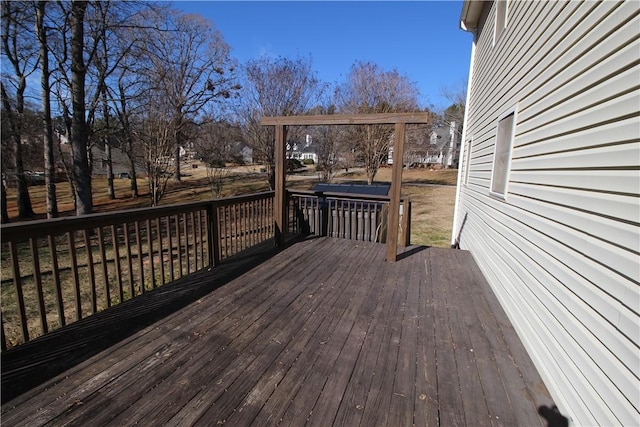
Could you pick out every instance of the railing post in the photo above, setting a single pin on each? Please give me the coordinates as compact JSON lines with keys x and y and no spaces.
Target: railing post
{"x":323,"y":211}
{"x":405,"y":237}
{"x":3,"y":338}
{"x":213,"y":246}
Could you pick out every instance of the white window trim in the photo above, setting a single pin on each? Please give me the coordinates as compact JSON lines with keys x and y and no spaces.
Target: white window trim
{"x":497,"y":36}
{"x":513,"y":110}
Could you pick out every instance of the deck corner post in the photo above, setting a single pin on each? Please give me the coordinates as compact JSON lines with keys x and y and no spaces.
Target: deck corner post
{"x":280,"y":196}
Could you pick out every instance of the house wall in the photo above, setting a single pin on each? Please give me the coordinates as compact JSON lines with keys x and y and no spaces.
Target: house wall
{"x":561,"y":250}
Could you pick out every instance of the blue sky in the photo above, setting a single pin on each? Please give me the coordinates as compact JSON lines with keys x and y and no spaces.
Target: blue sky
{"x":419,"y":38}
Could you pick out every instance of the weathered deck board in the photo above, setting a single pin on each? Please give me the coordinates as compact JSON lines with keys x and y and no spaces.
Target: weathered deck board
{"x":322,"y":333}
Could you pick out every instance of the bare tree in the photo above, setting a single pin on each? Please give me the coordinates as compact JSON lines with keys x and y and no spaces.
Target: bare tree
{"x":275,"y":87}
{"x":214,"y":146}
{"x":79,"y":128}
{"x":45,"y":76}
{"x":191,"y":67}
{"x":124,"y":113}
{"x":326,"y":143}
{"x":156,"y":136}
{"x":79,"y":30}
{"x":370,"y":89}
{"x":18,"y":48}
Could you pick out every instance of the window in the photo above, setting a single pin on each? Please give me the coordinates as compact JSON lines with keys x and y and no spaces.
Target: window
{"x":501,"y":19}
{"x":502,"y":154}
{"x":467,"y":162}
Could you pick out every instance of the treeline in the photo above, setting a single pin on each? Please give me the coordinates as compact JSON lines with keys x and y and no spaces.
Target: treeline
{"x":148,"y":80}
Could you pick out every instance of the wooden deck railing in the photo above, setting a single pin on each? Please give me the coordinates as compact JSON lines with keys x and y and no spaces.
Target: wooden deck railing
{"x":349,"y":216}
{"x":58,"y":271}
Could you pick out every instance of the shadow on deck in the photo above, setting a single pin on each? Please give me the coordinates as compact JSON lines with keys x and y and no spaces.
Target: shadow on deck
{"x":322,"y":333}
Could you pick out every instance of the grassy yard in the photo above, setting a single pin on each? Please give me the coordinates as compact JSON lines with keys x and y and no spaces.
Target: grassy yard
{"x":432,"y":194}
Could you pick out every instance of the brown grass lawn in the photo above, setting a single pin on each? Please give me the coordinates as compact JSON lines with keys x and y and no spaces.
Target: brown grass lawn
{"x":432,"y":194}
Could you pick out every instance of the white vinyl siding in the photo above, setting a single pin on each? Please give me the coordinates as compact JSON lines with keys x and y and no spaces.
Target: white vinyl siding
{"x":562,"y":251}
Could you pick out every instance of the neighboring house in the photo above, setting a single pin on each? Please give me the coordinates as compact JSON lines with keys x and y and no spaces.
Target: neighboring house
{"x":548,"y":191}
{"x":244,"y":152}
{"x":304,"y":151}
{"x":432,"y":151}
{"x":119,"y":161}
{"x":454,"y":145}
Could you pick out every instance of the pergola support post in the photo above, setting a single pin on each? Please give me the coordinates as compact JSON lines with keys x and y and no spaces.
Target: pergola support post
{"x":396,"y":189}
{"x":280,"y":174}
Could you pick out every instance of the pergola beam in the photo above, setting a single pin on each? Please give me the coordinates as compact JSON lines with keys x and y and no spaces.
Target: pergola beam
{"x":348,"y":119}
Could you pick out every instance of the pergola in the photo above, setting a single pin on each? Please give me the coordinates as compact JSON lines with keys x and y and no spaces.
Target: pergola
{"x":399,"y":120}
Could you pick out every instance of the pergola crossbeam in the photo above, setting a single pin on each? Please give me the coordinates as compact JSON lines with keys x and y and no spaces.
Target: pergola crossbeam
{"x":348,"y":119}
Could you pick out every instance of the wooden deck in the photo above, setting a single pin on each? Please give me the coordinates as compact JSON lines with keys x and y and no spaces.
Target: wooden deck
{"x":322,"y":333}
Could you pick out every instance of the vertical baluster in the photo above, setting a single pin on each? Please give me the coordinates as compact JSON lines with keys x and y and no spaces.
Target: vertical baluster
{"x":253,"y":221}
{"x":226,"y":231}
{"x":160,"y":249}
{"x":234,"y":229}
{"x":116,"y":261}
{"x":267,"y":224}
{"x":91,"y":271}
{"x":271,"y":214}
{"x":336,"y":221}
{"x":74,"y":270}
{"x":56,"y":280}
{"x":241,"y":244}
{"x":269,"y":206}
{"x":185,"y":221}
{"x":247,"y":244}
{"x":169,"y":236}
{"x":37,"y":276}
{"x":353,"y":210}
{"x":340,"y":228}
{"x":179,"y":243}
{"x":317,"y":216}
{"x":266,"y":231}
{"x":127,"y":240}
{"x":214,"y":235}
{"x":406,"y":223}
{"x":260,"y":207}
{"x":195,"y":239}
{"x":151,"y":259}
{"x":140,"y":254}
{"x":105,"y":274}
{"x":367,"y":222}
{"x":200,"y":224}
{"x":17,"y":281}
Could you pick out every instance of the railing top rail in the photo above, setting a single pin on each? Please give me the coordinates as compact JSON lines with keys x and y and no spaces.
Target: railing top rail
{"x":44,"y":227}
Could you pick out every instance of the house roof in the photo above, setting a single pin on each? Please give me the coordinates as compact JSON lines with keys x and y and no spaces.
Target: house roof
{"x":470,"y":15}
